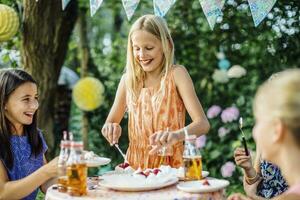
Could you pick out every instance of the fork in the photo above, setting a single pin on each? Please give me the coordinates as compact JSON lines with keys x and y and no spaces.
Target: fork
{"x":121,"y":152}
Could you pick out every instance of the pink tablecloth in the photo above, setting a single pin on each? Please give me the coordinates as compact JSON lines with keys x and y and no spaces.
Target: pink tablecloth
{"x":168,"y":193}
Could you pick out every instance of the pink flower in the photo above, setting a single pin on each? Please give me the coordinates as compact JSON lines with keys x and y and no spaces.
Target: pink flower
{"x":230,"y":114}
{"x":213,"y":111}
{"x":227,"y":169}
{"x":223,"y":131}
{"x":201,"y":141}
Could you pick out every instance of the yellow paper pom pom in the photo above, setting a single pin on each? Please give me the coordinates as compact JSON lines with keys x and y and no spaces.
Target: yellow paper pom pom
{"x":9,"y":22}
{"x":88,"y":93}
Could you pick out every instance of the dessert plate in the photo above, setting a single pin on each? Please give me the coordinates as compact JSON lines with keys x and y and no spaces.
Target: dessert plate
{"x":126,"y":182}
{"x":199,"y":187}
{"x":97,"y":161}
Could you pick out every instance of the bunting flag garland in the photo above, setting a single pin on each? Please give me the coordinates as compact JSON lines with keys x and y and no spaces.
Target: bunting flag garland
{"x":64,"y":3}
{"x":212,"y":10}
{"x":260,"y":9}
{"x":94,"y":6}
{"x":161,"y":7}
{"x":130,"y":6}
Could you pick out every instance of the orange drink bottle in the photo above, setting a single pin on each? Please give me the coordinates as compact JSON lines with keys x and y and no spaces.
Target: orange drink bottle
{"x":76,"y":171}
{"x":62,"y":165}
{"x":192,"y":159}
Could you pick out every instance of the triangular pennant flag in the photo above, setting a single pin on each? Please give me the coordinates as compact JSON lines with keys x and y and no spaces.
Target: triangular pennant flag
{"x":94,"y":6}
{"x":130,"y":6}
{"x":212,"y":10}
{"x":161,"y":7}
{"x":64,"y":3}
{"x":260,"y":9}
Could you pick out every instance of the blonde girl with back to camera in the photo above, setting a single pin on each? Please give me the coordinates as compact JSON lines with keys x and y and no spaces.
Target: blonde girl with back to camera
{"x":277,"y":129}
{"x":156,"y":94}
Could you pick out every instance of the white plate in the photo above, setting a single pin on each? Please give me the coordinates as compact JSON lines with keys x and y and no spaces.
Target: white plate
{"x":180,"y":176}
{"x":125,"y":182}
{"x":97,"y":161}
{"x":197,"y":186}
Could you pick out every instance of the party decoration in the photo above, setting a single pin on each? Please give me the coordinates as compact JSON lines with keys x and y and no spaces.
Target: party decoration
{"x":236,"y":71}
{"x":212,"y":10}
{"x":94,"y":6}
{"x":260,"y":9}
{"x":88,"y":93}
{"x":65,"y":3}
{"x":9,"y":22}
{"x":130,"y":6}
{"x":161,"y":7}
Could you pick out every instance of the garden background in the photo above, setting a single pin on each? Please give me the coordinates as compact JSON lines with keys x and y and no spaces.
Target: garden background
{"x":49,"y":38}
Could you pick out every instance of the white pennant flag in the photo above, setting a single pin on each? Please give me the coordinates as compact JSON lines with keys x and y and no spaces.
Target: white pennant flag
{"x":64,"y":3}
{"x":212,"y":10}
{"x":260,"y":9}
{"x":130,"y":6}
{"x":161,"y":7}
{"x":94,"y":6}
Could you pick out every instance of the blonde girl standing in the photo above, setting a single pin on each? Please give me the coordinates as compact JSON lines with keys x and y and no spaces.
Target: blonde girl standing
{"x":156,"y":94}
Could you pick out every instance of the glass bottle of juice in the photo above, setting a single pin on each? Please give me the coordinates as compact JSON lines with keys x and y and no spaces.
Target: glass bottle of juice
{"x":62,"y":165}
{"x":192,"y":159}
{"x":76,"y":171}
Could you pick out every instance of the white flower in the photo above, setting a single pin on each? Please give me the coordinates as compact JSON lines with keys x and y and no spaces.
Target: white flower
{"x":220,"y":76}
{"x":236,"y":71}
{"x":220,"y":55}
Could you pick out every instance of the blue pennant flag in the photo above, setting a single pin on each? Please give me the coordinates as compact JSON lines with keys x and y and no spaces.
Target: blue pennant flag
{"x":161,"y":7}
{"x":94,"y":6}
{"x":212,"y":10}
{"x":64,"y":3}
{"x":260,"y":9}
{"x":130,"y":6}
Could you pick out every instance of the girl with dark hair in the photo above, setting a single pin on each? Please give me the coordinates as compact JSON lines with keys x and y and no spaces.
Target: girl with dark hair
{"x":23,"y":165}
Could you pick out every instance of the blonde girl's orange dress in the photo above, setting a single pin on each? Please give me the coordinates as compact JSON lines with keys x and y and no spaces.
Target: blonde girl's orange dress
{"x":156,"y":109}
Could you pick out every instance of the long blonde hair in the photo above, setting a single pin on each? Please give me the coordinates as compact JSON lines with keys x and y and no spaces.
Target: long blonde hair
{"x":280,"y":98}
{"x":134,"y":72}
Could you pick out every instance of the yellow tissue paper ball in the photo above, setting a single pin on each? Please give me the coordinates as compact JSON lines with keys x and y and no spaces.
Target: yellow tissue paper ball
{"x":9,"y":22}
{"x":88,"y":93}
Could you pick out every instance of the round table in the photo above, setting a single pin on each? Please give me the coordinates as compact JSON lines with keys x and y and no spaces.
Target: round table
{"x":168,"y":193}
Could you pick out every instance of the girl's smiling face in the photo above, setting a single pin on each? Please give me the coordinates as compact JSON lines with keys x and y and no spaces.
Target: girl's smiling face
{"x":21,"y":105}
{"x":147,"y":50}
